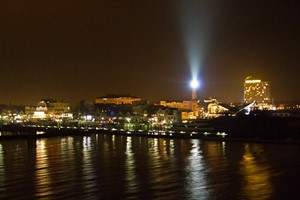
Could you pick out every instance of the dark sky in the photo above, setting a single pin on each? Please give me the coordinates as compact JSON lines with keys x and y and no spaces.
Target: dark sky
{"x":74,"y":50}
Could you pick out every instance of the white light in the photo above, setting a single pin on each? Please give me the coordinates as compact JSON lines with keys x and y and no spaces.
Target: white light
{"x":194,"y":84}
{"x":252,"y":81}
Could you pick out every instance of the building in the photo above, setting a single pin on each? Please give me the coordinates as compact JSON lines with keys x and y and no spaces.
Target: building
{"x":181,"y":105}
{"x":59,"y":108}
{"x":116,"y":99}
{"x":215,"y":109}
{"x":189,"y":109}
{"x":48,"y":108}
{"x":168,"y":116}
{"x":257,"y":91}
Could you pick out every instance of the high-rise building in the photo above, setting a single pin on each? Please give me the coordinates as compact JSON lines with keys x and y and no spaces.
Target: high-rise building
{"x":256,"y":91}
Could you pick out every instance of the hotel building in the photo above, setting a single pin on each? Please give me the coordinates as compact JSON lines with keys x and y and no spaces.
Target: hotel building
{"x":257,"y":91}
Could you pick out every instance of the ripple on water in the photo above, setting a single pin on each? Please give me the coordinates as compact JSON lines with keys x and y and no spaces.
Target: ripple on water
{"x":106,"y":167}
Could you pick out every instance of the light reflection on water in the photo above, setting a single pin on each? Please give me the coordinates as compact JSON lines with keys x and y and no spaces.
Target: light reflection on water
{"x":256,"y":173}
{"x":43,"y":179}
{"x":2,"y":171}
{"x":197,"y":172}
{"x":131,"y":180}
{"x":118,"y":167}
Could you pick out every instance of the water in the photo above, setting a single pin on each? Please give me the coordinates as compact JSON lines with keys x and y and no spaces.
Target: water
{"x":121,"y":167}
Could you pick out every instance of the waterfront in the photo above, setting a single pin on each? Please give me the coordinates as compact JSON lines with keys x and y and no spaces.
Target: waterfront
{"x":100,"y":166}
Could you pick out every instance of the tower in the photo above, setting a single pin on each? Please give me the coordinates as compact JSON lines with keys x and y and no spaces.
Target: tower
{"x":194,"y":86}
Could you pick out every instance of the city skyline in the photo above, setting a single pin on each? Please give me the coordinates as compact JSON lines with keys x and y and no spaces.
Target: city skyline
{"x":74,"y":50}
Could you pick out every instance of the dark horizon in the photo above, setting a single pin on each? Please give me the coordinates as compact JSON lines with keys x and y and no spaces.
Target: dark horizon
{"x":75,"y":50}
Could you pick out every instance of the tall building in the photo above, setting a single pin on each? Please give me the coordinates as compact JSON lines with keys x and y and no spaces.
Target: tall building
{"x":256,"y":91}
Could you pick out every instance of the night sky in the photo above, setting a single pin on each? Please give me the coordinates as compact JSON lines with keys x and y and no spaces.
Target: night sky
{"x":74,"y":50}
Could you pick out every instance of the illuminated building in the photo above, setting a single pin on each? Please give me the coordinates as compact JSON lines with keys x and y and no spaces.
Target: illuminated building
{"x":48,"y":108}
{"x":116,"y":99}
{"x":29,"y":110}
{"x":181,"y":105}
{"x":215,"y":108}
{"x":41,"y":110}
{"x":59,"y":107}
{"x":190,"y":109}
{"x":257,"y":91}
{"x":168,"y":116}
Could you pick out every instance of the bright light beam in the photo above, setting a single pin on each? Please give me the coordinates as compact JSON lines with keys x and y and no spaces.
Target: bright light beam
{"x":196,"y":19}
{"x":194,"y":84}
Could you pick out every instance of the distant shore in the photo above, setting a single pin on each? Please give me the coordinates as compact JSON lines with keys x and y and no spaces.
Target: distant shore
{"x":13,"y":132}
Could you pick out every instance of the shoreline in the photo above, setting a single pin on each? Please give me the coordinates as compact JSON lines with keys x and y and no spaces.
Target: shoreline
{"x":32,"y":133}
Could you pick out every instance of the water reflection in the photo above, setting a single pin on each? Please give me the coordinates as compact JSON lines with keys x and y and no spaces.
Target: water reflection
{"x":256,"y":173}
{"x":162,"y":168}
{"x":196,"y":173}
{"x":121,"y":167}
{"x":87,"y":165}
{"x":2,"y":171}
{"x":131,"y":186}
{"x":43,"y":180}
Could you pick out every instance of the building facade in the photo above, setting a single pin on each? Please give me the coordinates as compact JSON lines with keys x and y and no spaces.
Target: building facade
{"x":52,"y":109}
{"x":116,"y":99}
{"x":181,"y":105}
{"x":257,"y":91}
